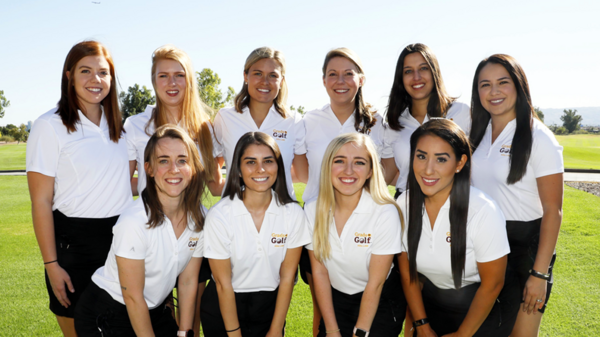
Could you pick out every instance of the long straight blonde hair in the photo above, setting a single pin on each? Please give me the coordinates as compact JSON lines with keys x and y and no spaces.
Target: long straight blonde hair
{"x":375,"y":185}
{"x":194,"y":117}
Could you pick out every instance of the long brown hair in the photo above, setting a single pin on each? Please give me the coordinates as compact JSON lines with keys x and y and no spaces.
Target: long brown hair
{"x":519,"y":155}
{"x":194,"y":192}
{"x":363,"y":112}
{"x":69,"y":102}
{"x":439,"y":100}
{"x":194,"y":115}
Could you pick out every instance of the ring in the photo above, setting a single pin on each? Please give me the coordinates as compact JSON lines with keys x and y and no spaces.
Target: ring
{"x":538,"y":300}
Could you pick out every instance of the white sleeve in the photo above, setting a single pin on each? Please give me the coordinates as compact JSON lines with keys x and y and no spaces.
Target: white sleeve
{"x":43,"y":149}
{"x":129,"y":239}
{"x":217,"y":237}
{"x":130,"y":137}
{"x":300,"y":132}
{"x":309,"y":211}
{"x":218,"y":136}
{"x":299,"y":235}
{"x":387,"y":231}
{"x":199,"y":251}
{"x":490,"y":241}
{"x":389,"y":137}
{"x":403,"y":204}
{"x":546,"y":153}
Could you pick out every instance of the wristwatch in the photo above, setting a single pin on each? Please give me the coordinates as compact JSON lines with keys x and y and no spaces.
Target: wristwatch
{"x":189,"y":333}
{"x":360,"y":332}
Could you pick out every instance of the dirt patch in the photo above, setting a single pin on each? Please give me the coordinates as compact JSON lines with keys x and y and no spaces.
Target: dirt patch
{"x":590,"y":187}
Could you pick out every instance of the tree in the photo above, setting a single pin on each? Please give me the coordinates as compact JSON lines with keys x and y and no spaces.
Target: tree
{"x":135,"y":100}
{"x":4,"y":103}
{"x":301,"y":110}
{"x":571,"y":120}
{"x":539,"y":113}
{"x":20,"y":134}
{"x":208,"y":87}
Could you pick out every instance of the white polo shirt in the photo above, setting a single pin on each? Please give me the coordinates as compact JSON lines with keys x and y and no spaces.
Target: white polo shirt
{"x":165,"y":256}
{"x":491,"y":164}
{"x":371,"y":229}
{"x":322,"y":126}
{"x":255,"y":257}
{"x":289,"y":134}
{"x":486,"y":240}
{"x":137,"y":138}
{"x":398,"y":142}
{"x":91,"y":172}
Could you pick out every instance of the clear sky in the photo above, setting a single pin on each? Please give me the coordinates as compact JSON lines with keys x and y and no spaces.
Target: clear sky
{"x":556,"y":42}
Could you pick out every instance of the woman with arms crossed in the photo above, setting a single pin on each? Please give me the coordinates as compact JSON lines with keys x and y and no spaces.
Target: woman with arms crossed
{"x":77,"y":177}
{"x":343,"y":78}
{"x":157,"y":241}
{"x":356,"y":229}
{"x":525,"y":180}
{"x":418,"y":93}
{"x":254,"y":237}
{"x":261,"y":106}
{"x":455,"y":247}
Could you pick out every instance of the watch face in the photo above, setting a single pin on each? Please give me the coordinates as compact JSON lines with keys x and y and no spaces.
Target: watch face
{"x":190,"y":333}
{"x":360,"y":333}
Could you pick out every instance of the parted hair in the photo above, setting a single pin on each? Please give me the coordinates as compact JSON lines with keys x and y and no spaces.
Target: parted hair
{"x":399,"y":100}
{"x":451,"y":133}
{"x":195,"y":119}
{"x":69,"y":102}
{"x":193,"y":193}
{"x":375,"y":185}
{"x":519,"y":155}
{"x":235,"y":182}
{"x":363,"y":112}
{"x":242,"y":99}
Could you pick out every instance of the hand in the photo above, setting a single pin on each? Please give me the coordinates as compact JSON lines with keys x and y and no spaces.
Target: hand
{"x":425,"y":330}
{"x":454,"y":334}
{"x":535,"y":289}
{"x":58,"y":277}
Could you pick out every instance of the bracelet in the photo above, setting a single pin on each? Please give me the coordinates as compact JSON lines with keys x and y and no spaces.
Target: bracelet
{"x":420,"y":322}
{"x":539,"y":275}
{"x":332,"y":331}
{"x":50,"y":262}
{"x":236,"y":329}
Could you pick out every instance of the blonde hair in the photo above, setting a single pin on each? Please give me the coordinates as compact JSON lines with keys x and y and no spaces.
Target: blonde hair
{"x":363,"y":112}
{"x":375,"y":185}
{"x":243,"y":98}
{"x":194,"y":113}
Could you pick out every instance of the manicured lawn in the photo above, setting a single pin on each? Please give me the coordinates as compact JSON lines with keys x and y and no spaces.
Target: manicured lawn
{"x":573,"y":309}
{"x":581,"y":151}
{"x":12,"y":156}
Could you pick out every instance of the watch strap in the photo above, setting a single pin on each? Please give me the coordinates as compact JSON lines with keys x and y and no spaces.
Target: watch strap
{"x":537,"y":274}
{"x":420,"y":322}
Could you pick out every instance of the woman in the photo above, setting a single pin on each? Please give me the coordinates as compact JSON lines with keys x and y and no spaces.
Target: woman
{"x":77,"y":176}
{"x":261,"y":106}
{"x":526,"y":181}
{"x":343,"y":78}
{"x":455,"y":247}
{"x":356,"y":230}
{"x":254,"y":237}
{"x":178,"y":103}
{"x":157,"y":241}
{"x":418,"y":93}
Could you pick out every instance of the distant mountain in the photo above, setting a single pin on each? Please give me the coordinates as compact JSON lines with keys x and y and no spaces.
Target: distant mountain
{"x":591,"y":115}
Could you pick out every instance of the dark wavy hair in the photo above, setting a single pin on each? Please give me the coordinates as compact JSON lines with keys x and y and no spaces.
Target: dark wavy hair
{"x":451,"y":133}
{"x":519,"y":156}
{"x":235,"y":182}
{"x":399,"y":100}
{"x":194,"y":192}
{"x":69,"y":103}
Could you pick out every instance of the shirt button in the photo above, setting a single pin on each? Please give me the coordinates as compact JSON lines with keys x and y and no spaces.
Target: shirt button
{"x":259,"y":249}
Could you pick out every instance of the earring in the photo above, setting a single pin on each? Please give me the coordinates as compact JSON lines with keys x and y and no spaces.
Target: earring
{"x":457,"y":171}
{"x":245,"y":83}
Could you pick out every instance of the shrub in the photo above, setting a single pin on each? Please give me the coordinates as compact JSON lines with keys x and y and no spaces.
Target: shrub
{"x":7,"y":139}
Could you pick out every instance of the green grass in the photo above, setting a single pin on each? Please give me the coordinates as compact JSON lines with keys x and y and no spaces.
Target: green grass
{"x":581,"y":151}
{"x":573,"y":310}
{"x":12,"y":157}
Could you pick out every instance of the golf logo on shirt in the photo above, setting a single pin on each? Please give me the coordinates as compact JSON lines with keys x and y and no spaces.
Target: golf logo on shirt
{"x":449,"y":238}
{"x":278,"y":240}
{"x":280,"y":134}
{"x":193,"y":243}
{"x":505,"y":150}
{"x":362,"y":239}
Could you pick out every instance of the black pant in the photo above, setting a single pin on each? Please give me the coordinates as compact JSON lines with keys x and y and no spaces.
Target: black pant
{"x":255,"y":312}
{"x":524,"y":239}
{"x":99,"y":315}
{"x":447,"y":308}
{"x":388,"y":318}
{"x":82,"y":245}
